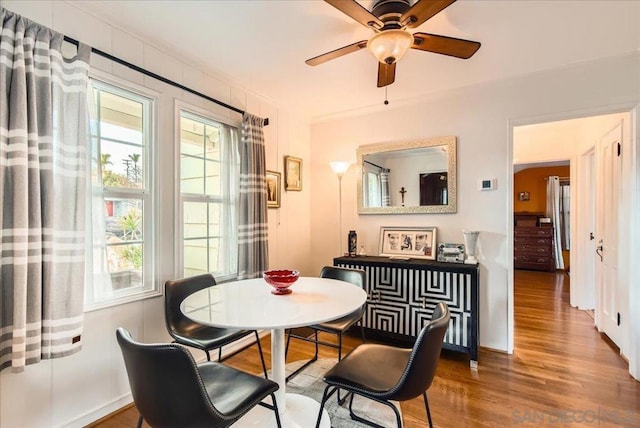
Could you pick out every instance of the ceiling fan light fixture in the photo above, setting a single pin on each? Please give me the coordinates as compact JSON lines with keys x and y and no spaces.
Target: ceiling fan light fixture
{"x":389,"y":46}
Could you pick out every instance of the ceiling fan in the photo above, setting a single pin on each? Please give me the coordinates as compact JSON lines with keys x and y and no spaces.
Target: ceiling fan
{"x":390,"y":20}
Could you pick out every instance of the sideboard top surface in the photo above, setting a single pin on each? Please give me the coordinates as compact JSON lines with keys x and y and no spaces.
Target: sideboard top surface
{"x":411,"y":263}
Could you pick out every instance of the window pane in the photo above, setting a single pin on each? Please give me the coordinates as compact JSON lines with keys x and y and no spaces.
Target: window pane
{"x":214,"y":219}
{"x":212,"y":142}
{"x":125,"y":265}
{"x":195,"y":256}
{"x":123,"y":220}
{"x":120,"y":118}
{"x":214,"y":252}
{"x":191,"y":175}
{"x":122,"y":165}
{"x":213,"y":178}
{"x":191,"y":144}
{"x":195,"y":220}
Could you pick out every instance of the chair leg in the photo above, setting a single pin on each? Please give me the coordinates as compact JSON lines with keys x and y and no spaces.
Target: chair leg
{"x":275,"y":409}
{"x":364,"y":340}
{"x":426,"y":404}
{"x":341,"y":400}
{"x":206,"y":351}
{"x":264,"y":366}
{"x":220,"y":353}
{"x":139,"y":422}
{"x":309,"y":362}
{"x":305,"y":365}
{"x":325,"y":397}
{"x":371,"y":423}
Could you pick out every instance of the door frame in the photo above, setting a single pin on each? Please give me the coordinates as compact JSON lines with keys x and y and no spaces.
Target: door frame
{"x":584,"y":255}
{"x":631,"y":342}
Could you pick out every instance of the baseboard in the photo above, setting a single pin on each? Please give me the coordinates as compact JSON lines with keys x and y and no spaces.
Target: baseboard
{"x":108,"y":416}
{"x":121,"y":403}
{"x":100,"y":412}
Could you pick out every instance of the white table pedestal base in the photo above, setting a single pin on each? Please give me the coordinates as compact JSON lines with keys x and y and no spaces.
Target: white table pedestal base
{"x":301,"y":412}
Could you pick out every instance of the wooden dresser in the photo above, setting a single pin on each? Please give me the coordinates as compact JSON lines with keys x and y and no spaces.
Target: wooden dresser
{"x":533,"y":243}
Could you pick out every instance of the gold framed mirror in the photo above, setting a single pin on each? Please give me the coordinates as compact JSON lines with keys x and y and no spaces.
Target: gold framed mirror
{"x":407,"y":177}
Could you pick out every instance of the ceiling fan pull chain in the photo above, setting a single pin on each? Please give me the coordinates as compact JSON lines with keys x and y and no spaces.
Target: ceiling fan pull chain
{"x":386,"y":101}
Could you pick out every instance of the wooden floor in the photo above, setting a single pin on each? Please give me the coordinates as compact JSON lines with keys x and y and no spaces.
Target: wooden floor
{"x":562,"y":373}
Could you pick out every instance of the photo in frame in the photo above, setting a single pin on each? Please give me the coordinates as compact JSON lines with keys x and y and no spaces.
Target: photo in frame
{"x":292,"y":173}
{"x":273,"y":189}
{"x":408,"y":242}
{"x":523,"y":196}
{"x":451,"y":253}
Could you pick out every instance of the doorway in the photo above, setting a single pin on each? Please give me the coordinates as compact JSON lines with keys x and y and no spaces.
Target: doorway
{"x":543,"y":144}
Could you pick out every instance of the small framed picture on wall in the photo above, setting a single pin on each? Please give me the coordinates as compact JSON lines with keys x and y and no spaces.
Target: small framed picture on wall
{"x":273,"y":189}
{"x":523,"y":196}
{"x":292,"y":173}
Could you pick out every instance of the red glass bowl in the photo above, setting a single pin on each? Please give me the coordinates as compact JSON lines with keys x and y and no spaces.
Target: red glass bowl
{"x":281,"y":280}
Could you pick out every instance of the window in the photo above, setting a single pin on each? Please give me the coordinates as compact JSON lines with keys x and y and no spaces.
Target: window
{"x":371,"y":187}
{"x":209,"y":184}
{"x":122,"y":231}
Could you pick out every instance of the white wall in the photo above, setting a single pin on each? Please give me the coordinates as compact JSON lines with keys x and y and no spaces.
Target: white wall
{"x":481,"y":118}
{"x":75,"y":390}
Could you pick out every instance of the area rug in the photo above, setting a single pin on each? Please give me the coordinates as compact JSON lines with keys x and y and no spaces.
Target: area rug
{"x":309,"y":382}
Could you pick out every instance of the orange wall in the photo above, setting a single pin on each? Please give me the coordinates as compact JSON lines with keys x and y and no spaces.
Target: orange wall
{"x":532,"y":180}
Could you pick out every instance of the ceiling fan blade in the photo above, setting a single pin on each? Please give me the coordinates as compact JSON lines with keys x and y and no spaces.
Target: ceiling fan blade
{"x":444,"y":45}
{"x":320,"y":59}
{"x":354,"y":10}
{"x":422,"y":11}
{"x":386,"y":74}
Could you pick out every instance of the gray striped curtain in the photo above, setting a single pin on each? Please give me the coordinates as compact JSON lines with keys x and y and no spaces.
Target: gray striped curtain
{"x":43,"y":138}
{"x":253,"y":258}
{"x":384,"y":188}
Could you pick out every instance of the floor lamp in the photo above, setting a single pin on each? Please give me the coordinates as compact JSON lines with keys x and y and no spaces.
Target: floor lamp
{"x":340,"y":167}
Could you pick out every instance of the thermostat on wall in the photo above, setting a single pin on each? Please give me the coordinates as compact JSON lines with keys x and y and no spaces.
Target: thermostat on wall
{"x":489,"y":184}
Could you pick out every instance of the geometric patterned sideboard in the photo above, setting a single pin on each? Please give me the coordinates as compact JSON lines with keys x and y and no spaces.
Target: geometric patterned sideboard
{"x":401,"y":296}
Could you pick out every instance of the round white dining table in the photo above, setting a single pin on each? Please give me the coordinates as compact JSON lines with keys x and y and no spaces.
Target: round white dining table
{"x":249,"y":304}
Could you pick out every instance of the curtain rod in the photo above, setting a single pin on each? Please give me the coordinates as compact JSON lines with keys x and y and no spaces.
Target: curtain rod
{"x":377,"y":166}
{"x":560,"y":178}
{"x":160,"y":78}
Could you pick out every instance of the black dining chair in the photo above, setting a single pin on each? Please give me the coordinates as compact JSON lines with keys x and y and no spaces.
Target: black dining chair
{"x":170,"y":390}
{"x":190,"y":333}
{"x":383,"y":373}
{"x":338,"y":326}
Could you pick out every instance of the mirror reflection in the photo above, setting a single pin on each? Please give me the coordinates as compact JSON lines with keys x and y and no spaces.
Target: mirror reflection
{"x":413,"y":177}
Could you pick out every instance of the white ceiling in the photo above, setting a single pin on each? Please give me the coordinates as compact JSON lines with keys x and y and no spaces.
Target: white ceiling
{"x":262,"y":44}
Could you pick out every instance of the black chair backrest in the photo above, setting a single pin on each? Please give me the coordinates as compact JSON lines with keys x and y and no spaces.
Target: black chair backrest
{"x":166,"y":386}
{"x":421,"y":368}
{"x":175,"y":291}
{"x":354,"y":276}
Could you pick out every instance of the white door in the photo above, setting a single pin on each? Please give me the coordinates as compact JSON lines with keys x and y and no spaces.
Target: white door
{"x":609,"y":168}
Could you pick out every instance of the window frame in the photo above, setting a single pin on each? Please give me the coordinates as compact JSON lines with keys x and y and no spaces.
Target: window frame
{"x":179,"y":107}
{"x":148,"y":196}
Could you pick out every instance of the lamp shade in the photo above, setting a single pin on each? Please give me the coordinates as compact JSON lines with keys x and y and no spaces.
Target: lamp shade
{"x":390,"y":45}
{"x":340,"y":167}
